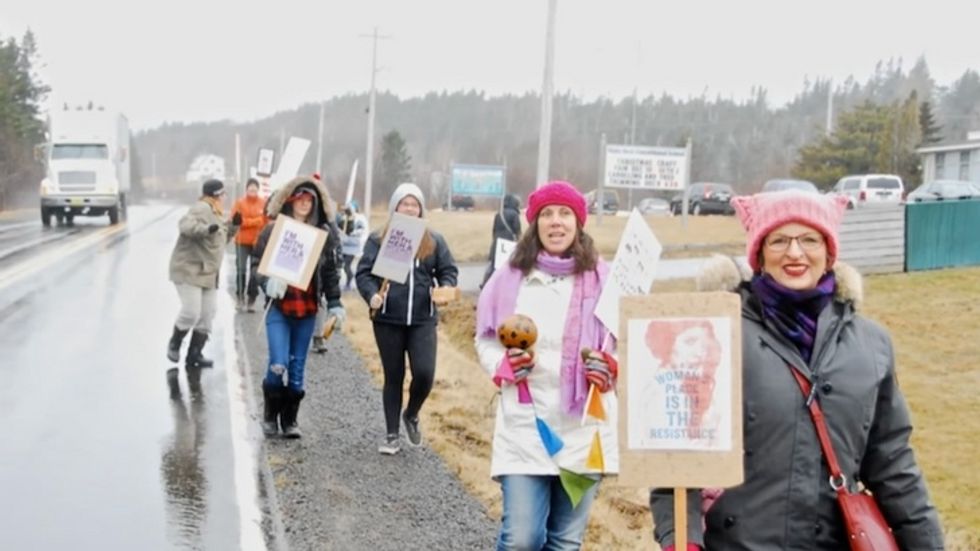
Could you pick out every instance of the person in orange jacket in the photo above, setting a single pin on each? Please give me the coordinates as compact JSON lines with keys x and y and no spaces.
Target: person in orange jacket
{"x":249,"y":215}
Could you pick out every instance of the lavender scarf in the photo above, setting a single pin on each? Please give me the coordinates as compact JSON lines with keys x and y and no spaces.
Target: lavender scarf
{"x":795,"y":313}
{"x":582,"y":328}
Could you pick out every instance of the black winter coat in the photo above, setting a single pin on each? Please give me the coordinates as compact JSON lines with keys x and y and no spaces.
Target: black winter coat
{"x":409,"y":303}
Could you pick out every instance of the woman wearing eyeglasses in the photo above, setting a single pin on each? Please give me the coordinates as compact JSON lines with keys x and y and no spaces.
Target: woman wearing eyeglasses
{"x":799,"y":315}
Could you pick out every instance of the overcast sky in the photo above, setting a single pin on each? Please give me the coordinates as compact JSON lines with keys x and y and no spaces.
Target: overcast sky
{"x":184,"y":60}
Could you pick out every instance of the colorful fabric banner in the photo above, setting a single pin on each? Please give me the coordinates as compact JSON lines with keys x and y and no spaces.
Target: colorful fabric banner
{"x":552,"y":442}
{"x":595,"y":407}
{"x":575,"y":485}
{"x":595,"y":460}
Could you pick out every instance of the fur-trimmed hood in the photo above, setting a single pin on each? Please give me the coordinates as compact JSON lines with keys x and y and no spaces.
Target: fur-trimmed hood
{"x":724,"y":273}
{"x":278,"y":199}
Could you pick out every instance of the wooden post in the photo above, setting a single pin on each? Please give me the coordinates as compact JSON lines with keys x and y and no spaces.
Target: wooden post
{"x":680,"y":519}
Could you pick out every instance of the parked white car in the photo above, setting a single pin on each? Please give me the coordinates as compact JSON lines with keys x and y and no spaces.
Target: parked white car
{"x":865,"y":189}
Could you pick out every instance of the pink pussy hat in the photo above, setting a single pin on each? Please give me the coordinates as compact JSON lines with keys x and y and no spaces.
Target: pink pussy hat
{"x":761,"y":213}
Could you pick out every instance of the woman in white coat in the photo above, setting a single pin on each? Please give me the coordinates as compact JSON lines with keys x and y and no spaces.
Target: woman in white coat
{"x":547,"y":461}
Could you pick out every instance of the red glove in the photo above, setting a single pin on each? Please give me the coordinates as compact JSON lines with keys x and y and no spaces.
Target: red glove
{"x":690,"y":547}
{"x":601,"y":369}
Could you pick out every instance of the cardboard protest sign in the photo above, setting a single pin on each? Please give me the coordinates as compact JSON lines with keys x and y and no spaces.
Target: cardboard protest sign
{"x":632,"y":271}
{"x":292,"y":159}
{"x":398,"y":248}
{"x":292,"y":251}
{"x":680,"y":390}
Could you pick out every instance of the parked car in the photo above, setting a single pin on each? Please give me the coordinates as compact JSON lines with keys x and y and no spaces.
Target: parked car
{"x":705,"y":198}
{"x":654,"y":206}
{"x":944,"y":190}
{"x":870,"y":188}
{"x":610,"y":200}
{"x":783,"y":184}
{"x":462,"y":202}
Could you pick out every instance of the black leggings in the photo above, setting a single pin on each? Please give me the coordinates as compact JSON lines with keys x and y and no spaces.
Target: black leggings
{"x":419,"y":341}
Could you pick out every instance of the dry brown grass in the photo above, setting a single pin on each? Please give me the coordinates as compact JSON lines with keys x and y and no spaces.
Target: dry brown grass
{"x":934,"y":318}
{"x":468,"y":233}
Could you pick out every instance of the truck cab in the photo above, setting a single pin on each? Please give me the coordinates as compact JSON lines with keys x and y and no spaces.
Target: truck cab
{"x":86,"y":166}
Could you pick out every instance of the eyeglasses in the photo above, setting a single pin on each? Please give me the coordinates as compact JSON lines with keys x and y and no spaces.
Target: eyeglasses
{"x":807,"y":242}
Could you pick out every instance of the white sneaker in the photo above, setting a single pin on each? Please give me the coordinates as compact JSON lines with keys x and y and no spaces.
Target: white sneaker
{"x":390,"y":446}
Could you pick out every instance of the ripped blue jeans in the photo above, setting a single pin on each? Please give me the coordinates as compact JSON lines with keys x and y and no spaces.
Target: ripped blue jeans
{"x":289,"y":343}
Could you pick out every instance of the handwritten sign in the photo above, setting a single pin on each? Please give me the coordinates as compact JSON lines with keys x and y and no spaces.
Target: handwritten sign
{"x":680,"y":390}
{"x":292,"y":252}
{"x":633,"y":269}
{"x":396,"y":258}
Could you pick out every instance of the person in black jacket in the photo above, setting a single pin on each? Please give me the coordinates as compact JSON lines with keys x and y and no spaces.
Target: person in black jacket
{"x":506,"y":225}
{"x":405,"y":318}
{"x":290,"y":317}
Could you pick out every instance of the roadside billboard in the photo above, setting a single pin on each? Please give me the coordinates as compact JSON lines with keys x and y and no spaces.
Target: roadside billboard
{"x":484,"y":180}
{"x":645,"y":167}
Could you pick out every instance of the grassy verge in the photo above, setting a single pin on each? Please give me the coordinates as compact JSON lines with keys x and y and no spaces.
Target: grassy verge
{"x":934,"y":318}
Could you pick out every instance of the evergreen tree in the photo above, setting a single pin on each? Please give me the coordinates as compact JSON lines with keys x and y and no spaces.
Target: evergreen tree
{"x":395,"y":164}
{"x":930,"y":129}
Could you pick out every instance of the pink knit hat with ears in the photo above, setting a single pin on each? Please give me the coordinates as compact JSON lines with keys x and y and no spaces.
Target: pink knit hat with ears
{"x":556,"y":193}
{"x":761,"y":213}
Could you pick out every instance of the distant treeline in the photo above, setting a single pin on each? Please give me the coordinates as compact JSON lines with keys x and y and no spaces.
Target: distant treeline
{"x":741,"y":142}
{"x":21,"y":125}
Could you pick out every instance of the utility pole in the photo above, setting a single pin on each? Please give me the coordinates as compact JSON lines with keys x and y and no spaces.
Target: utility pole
{"x":830,"y":108}
{"x":369,"y":156}
{"x":629,"y":192}
{"x":544,"y":136}
{"x":319,"y":144}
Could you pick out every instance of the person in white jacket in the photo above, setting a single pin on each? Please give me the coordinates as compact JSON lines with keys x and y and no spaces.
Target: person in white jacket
{"x":547,"y":459}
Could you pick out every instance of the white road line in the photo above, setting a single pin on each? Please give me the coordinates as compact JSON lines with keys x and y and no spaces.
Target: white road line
{"x":244,"y":447}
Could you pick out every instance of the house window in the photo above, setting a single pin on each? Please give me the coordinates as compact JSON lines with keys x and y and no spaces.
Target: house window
{"x":965,"y":165}
{"x":940,"y":166}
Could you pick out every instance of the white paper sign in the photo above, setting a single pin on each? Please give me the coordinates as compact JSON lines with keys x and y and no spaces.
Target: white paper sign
{"x":645,"y":167}
{"x":501,"y":256}
{"x":633,"y":269}
{"x":292,"y":159}
{"x":266,"y":159}
{"x":396,"y":258}
{"x":680,"y":384}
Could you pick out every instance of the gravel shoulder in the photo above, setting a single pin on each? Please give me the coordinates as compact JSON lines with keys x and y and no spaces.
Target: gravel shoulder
{"x":332,"y":487}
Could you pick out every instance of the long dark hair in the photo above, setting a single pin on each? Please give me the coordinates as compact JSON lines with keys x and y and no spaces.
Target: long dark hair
{"x":582,"y":250}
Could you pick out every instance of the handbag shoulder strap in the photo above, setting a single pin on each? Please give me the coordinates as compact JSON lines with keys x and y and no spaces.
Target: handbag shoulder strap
{"x":837,"y":478}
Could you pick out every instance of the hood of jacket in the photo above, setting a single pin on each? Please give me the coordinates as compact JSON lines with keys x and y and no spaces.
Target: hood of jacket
{"x":724,"y":273}
{"x":324,"y":204}
{"x":511,"y":201}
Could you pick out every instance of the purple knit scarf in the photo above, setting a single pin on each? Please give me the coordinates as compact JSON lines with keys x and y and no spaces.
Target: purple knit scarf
{"x":582,"y":328}
{"x":795,"y":313}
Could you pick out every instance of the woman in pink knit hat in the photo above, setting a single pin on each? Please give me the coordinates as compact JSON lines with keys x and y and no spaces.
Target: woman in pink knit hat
{"x":547,"y":462}
{"x":800,"y":328}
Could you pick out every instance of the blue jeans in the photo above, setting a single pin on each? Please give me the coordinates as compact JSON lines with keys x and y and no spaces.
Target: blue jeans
{"x":539,"y":516}
{"x":289,"y":343}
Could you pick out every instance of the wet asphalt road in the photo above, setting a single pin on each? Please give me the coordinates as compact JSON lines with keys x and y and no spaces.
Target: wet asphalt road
{"x":95,"y":454}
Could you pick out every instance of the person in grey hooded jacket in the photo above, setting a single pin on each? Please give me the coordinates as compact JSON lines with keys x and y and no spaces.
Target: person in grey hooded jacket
{"x":799,"y":312}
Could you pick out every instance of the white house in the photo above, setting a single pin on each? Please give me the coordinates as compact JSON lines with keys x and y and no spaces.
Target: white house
{"x":957,"y":161}
{"x":205,"y":167}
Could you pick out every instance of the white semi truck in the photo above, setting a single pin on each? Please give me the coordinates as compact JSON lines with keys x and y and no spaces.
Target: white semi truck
{"x":87,"y":166}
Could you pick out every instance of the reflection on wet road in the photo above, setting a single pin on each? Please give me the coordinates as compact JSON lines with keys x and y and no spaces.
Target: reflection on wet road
{"x":99,"y":452}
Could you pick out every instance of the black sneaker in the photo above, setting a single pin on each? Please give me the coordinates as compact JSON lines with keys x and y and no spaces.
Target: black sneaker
{"x":390,"y":446}
{"x":412,"y":430}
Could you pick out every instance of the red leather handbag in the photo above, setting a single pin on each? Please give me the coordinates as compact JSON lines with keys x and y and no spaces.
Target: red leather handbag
{"x":866,"y":527}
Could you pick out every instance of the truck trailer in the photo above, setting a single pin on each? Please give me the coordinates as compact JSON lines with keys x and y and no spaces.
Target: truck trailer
{"x":86,"y":166}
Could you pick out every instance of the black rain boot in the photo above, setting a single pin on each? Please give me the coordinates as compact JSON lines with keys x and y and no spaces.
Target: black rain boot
{"x":289,"y":412}
{"x":173,"y":347}
{"x":173,"y":383}
{"x":271,"y":409}
{"x":194,"y":356}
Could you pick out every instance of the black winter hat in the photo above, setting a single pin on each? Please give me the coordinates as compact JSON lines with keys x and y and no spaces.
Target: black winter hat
{"x":212,"y":188}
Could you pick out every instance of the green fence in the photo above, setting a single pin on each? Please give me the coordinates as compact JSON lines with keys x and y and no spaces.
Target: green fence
{"x":942,"y":234}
